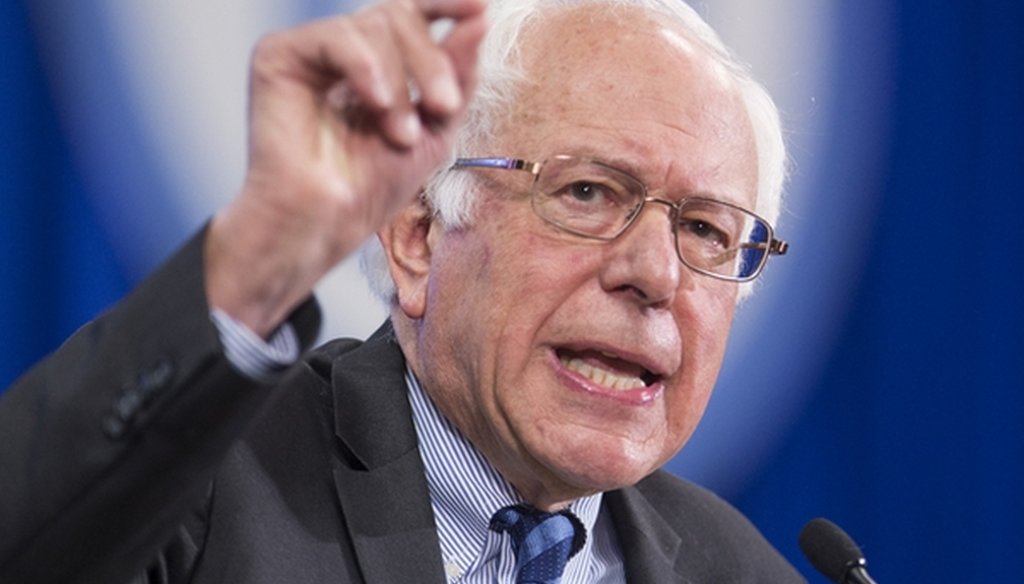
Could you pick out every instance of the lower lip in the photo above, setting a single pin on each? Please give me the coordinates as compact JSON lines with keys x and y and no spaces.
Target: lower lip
{"x":633,"y":397}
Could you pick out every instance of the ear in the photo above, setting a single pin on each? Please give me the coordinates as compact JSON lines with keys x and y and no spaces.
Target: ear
{"x":407,"y":244}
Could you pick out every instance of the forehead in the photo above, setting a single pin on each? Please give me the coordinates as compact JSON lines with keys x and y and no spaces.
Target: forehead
{"x":634,"y":89}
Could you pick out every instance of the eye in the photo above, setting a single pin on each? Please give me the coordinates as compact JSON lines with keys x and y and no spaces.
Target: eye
{"x":585,"y":192}
{"x":593,"y":194}
{"x":706,"y":232}
{"x":584,"y":197}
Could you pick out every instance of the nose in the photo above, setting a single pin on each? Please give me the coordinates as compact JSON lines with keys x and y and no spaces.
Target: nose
{"x":643,"y":261}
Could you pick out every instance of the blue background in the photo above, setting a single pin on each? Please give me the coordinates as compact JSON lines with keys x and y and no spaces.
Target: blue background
{"x":912,"y":435}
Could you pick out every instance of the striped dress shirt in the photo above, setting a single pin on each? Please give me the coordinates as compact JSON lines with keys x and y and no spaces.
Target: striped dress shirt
{"x":466,"y":490}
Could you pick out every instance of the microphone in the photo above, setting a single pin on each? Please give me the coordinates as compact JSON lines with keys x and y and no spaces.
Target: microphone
{"x":833,"y":553}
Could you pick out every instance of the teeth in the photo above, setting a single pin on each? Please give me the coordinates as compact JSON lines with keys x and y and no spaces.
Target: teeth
{"x":600,"y":376}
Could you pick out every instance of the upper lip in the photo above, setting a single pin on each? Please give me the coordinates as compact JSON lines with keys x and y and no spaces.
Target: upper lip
{"x":658,"y":361}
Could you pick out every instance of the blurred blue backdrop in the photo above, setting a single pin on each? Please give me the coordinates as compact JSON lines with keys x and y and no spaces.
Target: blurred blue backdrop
{"x":877,"y":377}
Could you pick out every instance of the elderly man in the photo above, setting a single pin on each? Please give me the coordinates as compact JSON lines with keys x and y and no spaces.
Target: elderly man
{"x":562,"y":256}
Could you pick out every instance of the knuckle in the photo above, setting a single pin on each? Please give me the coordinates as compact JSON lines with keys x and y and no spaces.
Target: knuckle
{"x":365,"y":67}
{"x":363,"y":59}
{"x":375,"y":20}
{"x":267,"y":55}
{"x":268,"y":46}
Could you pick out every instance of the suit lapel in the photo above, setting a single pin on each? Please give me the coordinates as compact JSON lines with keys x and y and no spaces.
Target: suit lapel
{"x":379,"y":477}
{"x":382,"y":488}
{"x":649,"y":545}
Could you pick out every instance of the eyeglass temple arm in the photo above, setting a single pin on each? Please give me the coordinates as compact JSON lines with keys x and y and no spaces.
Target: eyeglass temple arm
{"x":775,"y":246}
{"x":503,"y":163}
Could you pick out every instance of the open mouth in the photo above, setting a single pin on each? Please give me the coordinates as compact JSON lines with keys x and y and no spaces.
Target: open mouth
{"x":606,"y":370}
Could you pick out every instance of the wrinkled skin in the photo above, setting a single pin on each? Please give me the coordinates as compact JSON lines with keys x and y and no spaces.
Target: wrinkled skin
{"x":497,"y":317}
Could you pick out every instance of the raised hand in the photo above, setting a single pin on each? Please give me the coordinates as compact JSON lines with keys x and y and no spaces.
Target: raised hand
{"x":348,"y":118}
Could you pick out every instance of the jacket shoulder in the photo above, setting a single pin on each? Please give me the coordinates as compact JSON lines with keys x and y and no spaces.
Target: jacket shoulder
{"x":320,"y":361}
{"x":376,"y":351}
{"x":716,"y":542}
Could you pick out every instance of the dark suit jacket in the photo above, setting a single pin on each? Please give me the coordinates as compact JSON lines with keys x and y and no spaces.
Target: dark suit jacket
{"x":137,"y":454}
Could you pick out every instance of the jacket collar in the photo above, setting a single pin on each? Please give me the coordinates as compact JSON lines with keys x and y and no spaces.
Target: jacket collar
{"x":379,"y":476}
{"x":648,"y":543}
{"x":381,"y":482}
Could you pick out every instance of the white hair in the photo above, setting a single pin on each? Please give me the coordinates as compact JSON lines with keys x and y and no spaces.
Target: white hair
{"x":452,"y":195}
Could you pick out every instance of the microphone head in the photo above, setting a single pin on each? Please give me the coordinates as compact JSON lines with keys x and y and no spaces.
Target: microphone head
{"x":829,"y":549}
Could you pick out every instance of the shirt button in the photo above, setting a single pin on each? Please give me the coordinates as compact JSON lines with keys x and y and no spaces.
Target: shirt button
{"x":453,"y":571}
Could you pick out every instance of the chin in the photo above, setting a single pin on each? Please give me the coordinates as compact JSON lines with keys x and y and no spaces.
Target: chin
{"x":590,"y":470}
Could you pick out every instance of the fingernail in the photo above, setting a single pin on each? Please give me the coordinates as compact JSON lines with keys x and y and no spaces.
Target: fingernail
{"x":382,"y":93}
{"x":410,"y":128}
{"x":447,"y":93}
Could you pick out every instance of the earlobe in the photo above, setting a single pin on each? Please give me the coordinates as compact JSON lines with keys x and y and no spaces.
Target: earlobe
{"x":407,"y":246}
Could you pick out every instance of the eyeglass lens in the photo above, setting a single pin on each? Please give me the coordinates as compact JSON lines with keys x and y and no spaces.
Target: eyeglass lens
{"x":597,"y":201}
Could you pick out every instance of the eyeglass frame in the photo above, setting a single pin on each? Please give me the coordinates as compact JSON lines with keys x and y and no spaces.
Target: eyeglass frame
{"x":772,"y":245}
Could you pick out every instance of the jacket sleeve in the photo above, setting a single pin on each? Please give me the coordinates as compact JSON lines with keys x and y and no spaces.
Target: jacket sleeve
{"x":107,"y":445}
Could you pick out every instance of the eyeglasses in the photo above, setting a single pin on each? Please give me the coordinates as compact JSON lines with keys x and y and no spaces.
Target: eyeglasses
{"x":596,"y":201}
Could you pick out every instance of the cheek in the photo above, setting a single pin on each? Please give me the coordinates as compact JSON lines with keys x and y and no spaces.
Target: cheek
{"x":705,"y":326}
{"x":460,"y":285}
{"x":490,"y":294}
{"x":537,"y":274}
{"x":530,"y":298}
{"x":707,"y":315}
{"x":456,"y":313}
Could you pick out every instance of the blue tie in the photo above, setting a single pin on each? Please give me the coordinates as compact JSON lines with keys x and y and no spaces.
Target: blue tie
{"x":543,"y":542}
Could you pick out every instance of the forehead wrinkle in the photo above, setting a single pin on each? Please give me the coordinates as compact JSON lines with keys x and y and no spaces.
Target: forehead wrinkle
{"x":627,"y":149}
{"x":701,"y":110}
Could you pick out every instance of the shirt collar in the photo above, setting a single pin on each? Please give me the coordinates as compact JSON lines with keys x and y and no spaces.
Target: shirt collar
{"x":465,"y":489}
